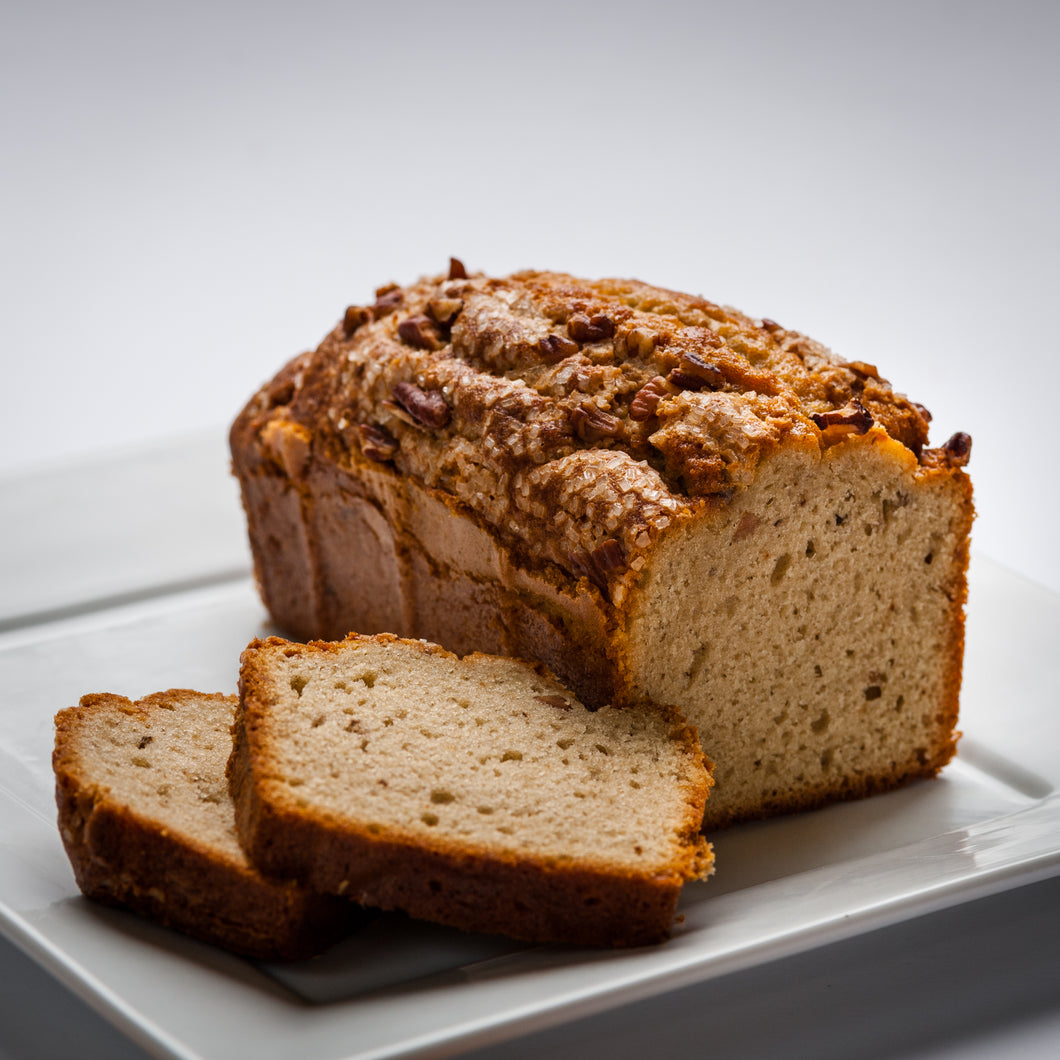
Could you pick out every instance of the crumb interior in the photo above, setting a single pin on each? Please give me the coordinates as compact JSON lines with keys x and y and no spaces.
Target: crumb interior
{"x":810,"y":633}
{"x":168,"y":765}
{"x":484,"y":752}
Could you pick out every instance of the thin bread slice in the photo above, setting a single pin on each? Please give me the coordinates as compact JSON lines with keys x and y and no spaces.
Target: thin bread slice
{"x":475,"y":792}
{"x":148,"y":824}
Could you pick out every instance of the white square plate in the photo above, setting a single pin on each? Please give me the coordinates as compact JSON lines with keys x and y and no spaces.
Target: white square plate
{"x":990,"y":822}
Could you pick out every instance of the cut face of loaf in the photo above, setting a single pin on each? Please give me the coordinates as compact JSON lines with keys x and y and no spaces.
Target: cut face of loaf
{"x":475,"y":792}
{"x":812,"y":632}
{"x":652,"y":495}
{"x":147,"y":822}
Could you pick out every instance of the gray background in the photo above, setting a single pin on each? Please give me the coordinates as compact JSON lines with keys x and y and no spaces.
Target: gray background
{"x":191,"y":193}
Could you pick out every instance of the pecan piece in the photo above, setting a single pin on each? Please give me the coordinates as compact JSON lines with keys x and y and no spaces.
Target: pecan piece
{"x":377,"y":443}
{"x":445,"y":310}
{"x":457,"y":270}
{"x":582,"y":566}
{"x":958,"y":449}
{"x":553,"y":348}
{"x":770,"y":325}
{"x":641,"y":342}
{"x":608,"y":556}
{"x":356,"y":316}
{"x":583,"y":328}
{"x":646,"y":400}
{"x":398,"y":413}
{"x":922,"y":410}
{"x":954,"y":453}
{"x":427,"y":408}
{"x":280,"y":392}
{"x":387,"y":299}
{"x":419,"y":331}
{"x":592,"y":424}
{"x":694,"y":373}
{"x":854,"y":418}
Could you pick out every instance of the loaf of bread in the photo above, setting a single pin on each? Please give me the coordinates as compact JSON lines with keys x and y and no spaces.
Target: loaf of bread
{"x":476,"y":792}
{"x":148,"y":824}
{"x":655,"y":496}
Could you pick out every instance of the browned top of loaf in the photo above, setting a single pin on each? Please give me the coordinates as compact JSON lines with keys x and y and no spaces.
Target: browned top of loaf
{"x":577,"y":418}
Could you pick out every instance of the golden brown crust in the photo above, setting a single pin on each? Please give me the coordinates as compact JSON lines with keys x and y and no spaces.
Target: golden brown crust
{"x":574,"y":418}
{"x":493,"y":463}
{"x":123,"y":858}
{"x":468,"y":886}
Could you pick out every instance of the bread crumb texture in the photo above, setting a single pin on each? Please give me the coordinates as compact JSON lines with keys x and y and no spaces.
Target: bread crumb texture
{"x":163,"y":756}
{"x":817,"y":635}
{"x":147,"y":822}
{"x":400,"y":739}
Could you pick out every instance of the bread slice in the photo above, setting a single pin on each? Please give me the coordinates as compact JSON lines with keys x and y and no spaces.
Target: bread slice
{"x":147,"y":823}
{"x":653,"y":495}
{"x":475,"y":792}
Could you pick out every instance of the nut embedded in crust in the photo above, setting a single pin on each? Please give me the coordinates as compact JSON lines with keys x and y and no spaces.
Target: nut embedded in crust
{"x":853,"y":418}
{"x":387,"y":299}
{"x":592,"y":424}
{"x":646,"y":400}
{"x":427,"y":408}
{"x":445,"y":310}
{"x":586,"y":329}
{"x":554,"y":348}
{"x":356,"y":316}
{"x":608,"y":556}
{"x":377,"y":443}
{"x":958,"y":449}
{"x":694,"y":373}
{"x":419,"y":332}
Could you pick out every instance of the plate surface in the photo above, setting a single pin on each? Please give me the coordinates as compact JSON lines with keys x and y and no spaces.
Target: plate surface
{"x":992,"y":821}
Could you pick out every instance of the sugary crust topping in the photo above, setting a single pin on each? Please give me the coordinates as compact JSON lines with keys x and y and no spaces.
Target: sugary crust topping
{"x":576,"y":418}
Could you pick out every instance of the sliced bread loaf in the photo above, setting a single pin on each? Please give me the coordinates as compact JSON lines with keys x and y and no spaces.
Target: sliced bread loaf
{"x":651,"y":494}
{"x":475,"y":792}
{"x":147,"y":823}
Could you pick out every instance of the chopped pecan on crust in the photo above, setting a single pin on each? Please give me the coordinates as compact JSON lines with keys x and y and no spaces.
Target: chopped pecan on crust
{"x":695,"y":373}
{"x":853,"y":419}
{"x":279,"y":392}
{"x":646,"y":400}
{"x":592,"y":424}
{"x":419,"y":331}
{"x":377,"y":443}
{"x":554,"y":348}
{"x":387,"y":299}
{"x":356,"y":316}
{"x":514,"y":361}
{"x":956,"y":451}
{"x":427,"y":408}
{"x":585,"y":329}
{"x":958,"y":448}
{"x":445,"y":310}
{"x":640,"y":341}
{"x":608,"y":556}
